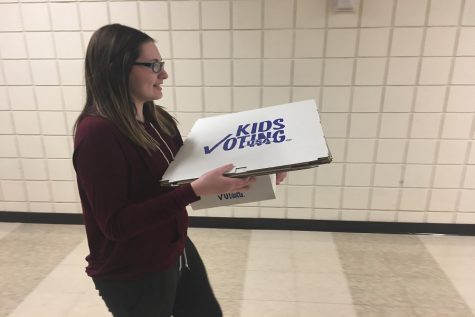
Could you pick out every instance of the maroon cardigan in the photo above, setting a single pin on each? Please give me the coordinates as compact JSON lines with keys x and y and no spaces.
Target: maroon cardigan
{"x":133,"y":225}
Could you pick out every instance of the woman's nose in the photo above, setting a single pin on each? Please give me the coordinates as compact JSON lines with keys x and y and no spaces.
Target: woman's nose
{"x":163,"y":74}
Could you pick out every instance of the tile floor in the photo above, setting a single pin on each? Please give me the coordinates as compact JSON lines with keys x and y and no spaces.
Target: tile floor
{"x":259,"y":273}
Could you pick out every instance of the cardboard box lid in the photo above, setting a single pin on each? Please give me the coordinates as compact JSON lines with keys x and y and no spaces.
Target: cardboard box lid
{"x":258,"y":142}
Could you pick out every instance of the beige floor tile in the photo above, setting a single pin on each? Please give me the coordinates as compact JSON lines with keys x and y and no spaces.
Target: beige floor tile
{"x":258,"y":273}
{"x":231,"y":308}
{"x":311,"y":237}
{"x":442,"y":312}
{"x":446,"y":245}
{"x":89,"y":304}
{"x":466,"y":289}
{"x":46,"y":305}
{"x":458,"y":267}
{"x":432,"y":293}
{"x":272,"y":286}
{"x":325,"y":310}
{"x":377,"y":291}
{"x":78,"y":255}
{"x":384,"y":311}
{"x":271,"y":239}
{"x":7,"y":227}
{"x":270,"y":259}
{"x":326,"y":260}
{"x":65,"y":279}
{"x":322,"y":288}
{"x":263,"y":308}
{"x":227,"y":284}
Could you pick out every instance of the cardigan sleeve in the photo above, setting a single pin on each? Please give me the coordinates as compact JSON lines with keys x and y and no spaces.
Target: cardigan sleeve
{"x":101,"y":167}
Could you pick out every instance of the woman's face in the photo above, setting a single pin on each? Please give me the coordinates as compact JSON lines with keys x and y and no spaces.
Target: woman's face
{"x":144,"y":84}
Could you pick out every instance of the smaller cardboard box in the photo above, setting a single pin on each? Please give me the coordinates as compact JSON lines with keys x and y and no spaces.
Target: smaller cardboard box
{"x":262,"y":189}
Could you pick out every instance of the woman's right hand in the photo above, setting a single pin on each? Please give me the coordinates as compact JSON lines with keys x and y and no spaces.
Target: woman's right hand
{"x":214,"y":182}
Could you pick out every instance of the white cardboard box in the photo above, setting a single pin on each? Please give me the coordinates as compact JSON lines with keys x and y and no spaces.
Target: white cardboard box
{"x":262,"y":141}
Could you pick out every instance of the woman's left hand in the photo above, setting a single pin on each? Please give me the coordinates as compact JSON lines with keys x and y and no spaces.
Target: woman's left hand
{"x":279,"y":177}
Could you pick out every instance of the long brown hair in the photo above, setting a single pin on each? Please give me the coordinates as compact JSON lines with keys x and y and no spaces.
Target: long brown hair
{"x":110,"y":55}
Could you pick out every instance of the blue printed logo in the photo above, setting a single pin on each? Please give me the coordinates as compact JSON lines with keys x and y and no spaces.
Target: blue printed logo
{"x":252,"y":134}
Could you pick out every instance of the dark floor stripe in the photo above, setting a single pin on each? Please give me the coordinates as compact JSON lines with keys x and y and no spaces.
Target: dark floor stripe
{"x":28,"y":254}
{"x":395,"y":275}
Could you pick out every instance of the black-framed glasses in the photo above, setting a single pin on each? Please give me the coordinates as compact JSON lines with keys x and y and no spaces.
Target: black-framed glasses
{"x":156,"y":67}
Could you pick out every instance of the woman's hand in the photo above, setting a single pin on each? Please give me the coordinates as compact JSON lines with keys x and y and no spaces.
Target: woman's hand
{"x":279,"y":177}
{"x":214,"y":182}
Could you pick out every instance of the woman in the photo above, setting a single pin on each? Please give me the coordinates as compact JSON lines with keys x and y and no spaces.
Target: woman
{"x":141,"y":260}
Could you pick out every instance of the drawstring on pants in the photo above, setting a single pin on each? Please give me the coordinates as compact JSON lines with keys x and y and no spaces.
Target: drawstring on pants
{"x":186,"y":261}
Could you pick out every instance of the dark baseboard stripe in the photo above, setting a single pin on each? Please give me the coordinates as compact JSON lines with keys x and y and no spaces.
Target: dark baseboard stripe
{"x":41,"y":217}
{"x":269,"y":224}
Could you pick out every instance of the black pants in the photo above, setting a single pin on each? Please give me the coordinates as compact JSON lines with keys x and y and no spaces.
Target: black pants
{"x":185,"y":293}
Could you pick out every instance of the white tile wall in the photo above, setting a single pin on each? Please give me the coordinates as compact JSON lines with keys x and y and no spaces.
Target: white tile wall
{"x":358,"y":174}
{"x":247,"y":44}
{"x":35,"y":16}
{"x":418,"y":175}
{"x":215,"y":14}
{"x":307,"y":72}
{"x":452,"y":152}
{"x":275,"y":96}
{"x":8,"y":148}
{"x":22,"y":97}
{"x":335,"y":99}
{"x":385,"y":198}
{"x":10,"y":17}
{"x":402,"y":71}
{"x":185,"y":15}
{"x":13,"y":191}
{"x":376,"y":13}
{"x":124,"y":12}
{"x":45,"y":72}
{"x":410,"y":12}
{"x":430,"y":99}
{"x":370,"y":71}
{"x":278,"y":13}
{"x":440,"y":41}
{"x":34,"y":169}
{"x":406,"y":41}
{"x":309,"y":43}
{"x":278,"y":43}
{"x":68,"y":44}
{"x":6,"y":123}
{"x":216,"y":44}
{"x":311,"y":13}
{"x":277,"y":72}
{"x":391,"y":151}
{"x":398,"y":98}
{"x":48,"y":97}
{"x":64,"y":16}
{"x":16,"y":72}
{"x":442,"y":12}
{"x":247,"y":14}
{"x":338,"y":71}
{"x":94,"y":15}
{"x":40,"y":44}
{"x":373,"y":42}
{"x":13,"y":45}
{"x":394,"y":82}
{"x":463,"y":71}
{"x":468,"y":14}
{"x":387,"y":175}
